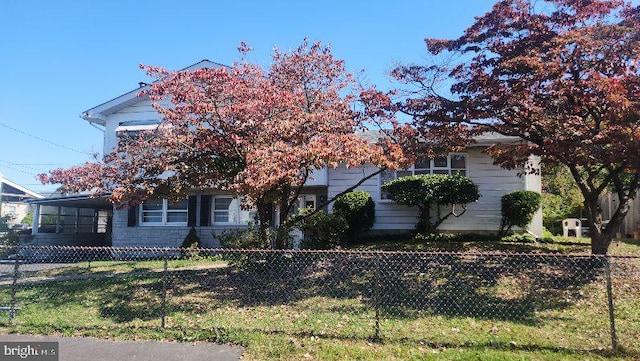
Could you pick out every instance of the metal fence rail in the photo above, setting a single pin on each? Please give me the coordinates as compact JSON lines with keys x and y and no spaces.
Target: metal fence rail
{"x":586,"y":302}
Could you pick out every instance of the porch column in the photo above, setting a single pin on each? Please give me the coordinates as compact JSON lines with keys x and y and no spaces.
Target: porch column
{"x":36,"y":220}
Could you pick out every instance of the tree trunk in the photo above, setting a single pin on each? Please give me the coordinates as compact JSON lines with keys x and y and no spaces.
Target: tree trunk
{"x":600,"y":243}
{"x":282,"y":234}
{"x":424,"y":221}
{"x":264,"y":219}
{"x":601,"y":237}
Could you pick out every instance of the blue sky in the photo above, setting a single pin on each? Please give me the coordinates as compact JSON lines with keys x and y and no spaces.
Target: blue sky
{"x":59,"y":58}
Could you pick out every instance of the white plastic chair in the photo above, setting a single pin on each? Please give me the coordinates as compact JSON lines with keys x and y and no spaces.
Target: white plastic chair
{"x":571,"y":224}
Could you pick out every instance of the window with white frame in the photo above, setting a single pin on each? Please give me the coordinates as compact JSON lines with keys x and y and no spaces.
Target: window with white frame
{"x":455,"y":163}
{"x":304,"y":201}
{"x":228,"y":210}
{"x":164,"y":212}
{"x":132,"y":128}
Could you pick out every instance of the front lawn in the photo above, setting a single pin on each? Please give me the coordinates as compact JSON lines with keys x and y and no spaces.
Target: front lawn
{"x":564,"y":245}
{"x":314,"y":306}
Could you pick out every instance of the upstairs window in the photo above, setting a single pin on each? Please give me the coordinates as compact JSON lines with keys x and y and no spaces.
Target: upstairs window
{"x":132,"y":128}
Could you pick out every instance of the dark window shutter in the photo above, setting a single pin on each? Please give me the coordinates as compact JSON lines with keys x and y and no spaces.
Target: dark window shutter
{"x":191,"y":211}
{"x":132,"y":216}
{"x":205,"y":211}
{"x":269,"y":214}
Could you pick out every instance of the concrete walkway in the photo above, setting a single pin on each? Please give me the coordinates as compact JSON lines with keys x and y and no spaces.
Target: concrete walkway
{"x":85,"y":348}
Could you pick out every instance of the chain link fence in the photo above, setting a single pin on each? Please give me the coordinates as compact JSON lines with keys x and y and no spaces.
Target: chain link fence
{"x":443,"y":299}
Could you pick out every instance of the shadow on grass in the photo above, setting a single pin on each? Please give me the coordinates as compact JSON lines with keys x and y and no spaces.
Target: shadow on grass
{"x":400,"y":286}
{"x":508,"y":288}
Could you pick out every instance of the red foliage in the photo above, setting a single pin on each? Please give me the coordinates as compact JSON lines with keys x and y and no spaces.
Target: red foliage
{"x":256,"y":133}
{"x":562,"y":75}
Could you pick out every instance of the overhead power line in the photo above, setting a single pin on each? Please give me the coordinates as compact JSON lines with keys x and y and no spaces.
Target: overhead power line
{"x":44,"y":140}
{"x":20,"y":170}
{"x":19,"y":165}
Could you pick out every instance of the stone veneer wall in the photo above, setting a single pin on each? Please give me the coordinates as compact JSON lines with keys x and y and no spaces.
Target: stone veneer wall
{"x":160,"y":236}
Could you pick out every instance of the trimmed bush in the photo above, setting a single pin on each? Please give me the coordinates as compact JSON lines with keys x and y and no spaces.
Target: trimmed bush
{"x":437,"y":190}
{"x":323,"y":231}
{"x":358,"y":209}
{"x":518,"y":209}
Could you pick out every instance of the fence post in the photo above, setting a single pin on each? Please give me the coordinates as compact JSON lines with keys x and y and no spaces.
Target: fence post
{"x":377,"y":294}
{"x":612,"y":322}
{"x":14,"y":288}
{"x":164,"y":289}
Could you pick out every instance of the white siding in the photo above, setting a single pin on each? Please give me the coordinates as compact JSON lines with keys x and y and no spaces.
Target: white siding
{"x":318,"y":177}
{"x":141,"y":111}
{"x":533,"y":182}
{"x":342,"y":178}
{"x":483,"y":215}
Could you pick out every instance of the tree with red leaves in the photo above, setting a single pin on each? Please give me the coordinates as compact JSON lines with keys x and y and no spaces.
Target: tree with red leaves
{"x":257,"y":134}
{"x":562,"y":75}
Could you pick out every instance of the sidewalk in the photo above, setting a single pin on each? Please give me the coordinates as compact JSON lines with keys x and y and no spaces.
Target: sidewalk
{"x":82,"y":349}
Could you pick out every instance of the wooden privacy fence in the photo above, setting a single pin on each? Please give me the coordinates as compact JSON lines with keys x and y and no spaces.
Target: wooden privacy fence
{"x":609,"y":202}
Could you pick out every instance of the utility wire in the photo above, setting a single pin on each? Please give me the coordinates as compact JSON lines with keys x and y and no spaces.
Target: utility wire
{"x":19,"y":165}
{"x":44,"y":140}
{"x":26,"y":164}
{"x":20,"y":170}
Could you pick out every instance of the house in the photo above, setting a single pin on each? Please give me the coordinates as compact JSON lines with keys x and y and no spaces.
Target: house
{"x":12,"y":197}
{"x":159,"y":223}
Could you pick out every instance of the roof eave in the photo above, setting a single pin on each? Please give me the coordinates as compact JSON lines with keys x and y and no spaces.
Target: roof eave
{"x":99,"y":113}
{"x":21,"y":188}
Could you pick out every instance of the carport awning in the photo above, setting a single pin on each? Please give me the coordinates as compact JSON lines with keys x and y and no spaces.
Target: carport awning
{"x":76,"y":201}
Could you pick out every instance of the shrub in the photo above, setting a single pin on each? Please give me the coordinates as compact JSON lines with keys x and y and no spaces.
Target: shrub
{"x":8,"y":237}
{"x":190,"y":242}
{"x":28,"y":219}
{"x":243,"y":238}
{"x":518,"y":209}
{"x":323,"y":231}
{"x":358,"y":210}
{"x":427,"y":191}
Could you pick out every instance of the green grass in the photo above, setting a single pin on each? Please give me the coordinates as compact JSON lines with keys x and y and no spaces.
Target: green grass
{"x":563,"y":245}
{"x":325,"y":309}
{"x":120,"y":267}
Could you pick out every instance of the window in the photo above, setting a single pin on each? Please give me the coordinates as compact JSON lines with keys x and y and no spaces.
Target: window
{"x":164,"y":212}
{"x":72,"y":220}
{"x":452,"y":164}
{"x":228,"y":210}
{"x":222,"y":211}
{"x":133,"y":128}
{"x":304,"y":201}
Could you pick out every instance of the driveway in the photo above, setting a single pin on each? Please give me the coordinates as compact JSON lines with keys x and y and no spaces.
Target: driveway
{"x":82,"y":349}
